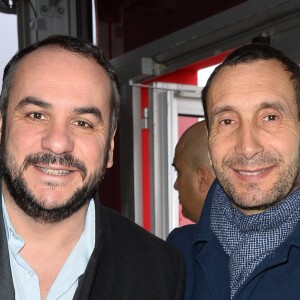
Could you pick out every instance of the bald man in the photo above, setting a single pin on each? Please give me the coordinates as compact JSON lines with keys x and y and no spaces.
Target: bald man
{"x":194,"y":172}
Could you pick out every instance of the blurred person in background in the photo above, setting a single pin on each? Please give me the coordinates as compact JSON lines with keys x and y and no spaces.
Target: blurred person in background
{"x":194,"y":171}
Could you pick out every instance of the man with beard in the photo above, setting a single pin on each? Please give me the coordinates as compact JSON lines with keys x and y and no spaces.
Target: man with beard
{"x":59,"y":109}
{"x":247,"y":242}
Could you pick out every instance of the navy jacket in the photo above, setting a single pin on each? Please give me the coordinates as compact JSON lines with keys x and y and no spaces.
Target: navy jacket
{"x":127,"y":263}
{"x":207,"y":270}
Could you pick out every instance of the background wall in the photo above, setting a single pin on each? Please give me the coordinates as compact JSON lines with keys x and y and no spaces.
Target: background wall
{"x":8,"y":38}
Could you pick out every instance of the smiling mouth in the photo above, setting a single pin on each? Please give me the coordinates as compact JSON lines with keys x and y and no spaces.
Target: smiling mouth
{"x":54,"y":172}
{"x":253,"y":173}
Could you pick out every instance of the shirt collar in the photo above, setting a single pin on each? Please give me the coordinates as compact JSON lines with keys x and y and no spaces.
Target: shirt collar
{"x":15,"y":242}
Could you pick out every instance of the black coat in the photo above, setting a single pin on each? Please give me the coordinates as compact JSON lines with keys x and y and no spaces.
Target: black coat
{"x":127,"y":263}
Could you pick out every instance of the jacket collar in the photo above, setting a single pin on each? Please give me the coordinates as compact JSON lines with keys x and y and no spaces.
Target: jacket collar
{"x":203,"y":232}
{"x":209,"y":253}
{"x":6,"y":282}
{"x":102,"y":234}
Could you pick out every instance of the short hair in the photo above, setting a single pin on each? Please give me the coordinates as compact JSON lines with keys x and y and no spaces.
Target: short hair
{"x":71,"y":44}
{"x":252,"y":53}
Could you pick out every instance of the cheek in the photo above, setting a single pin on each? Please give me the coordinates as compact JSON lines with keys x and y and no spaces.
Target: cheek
{"x":181,"y":184}
{"x":188,"y":183}
{"x":285,"y":142}
{"x":20,"y":142}
{"x":91,"y":152}
{"x":289,"y":151}
{"x":219,"y":148}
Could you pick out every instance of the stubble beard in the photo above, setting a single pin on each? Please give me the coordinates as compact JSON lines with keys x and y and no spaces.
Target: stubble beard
{"x":253,"y":197}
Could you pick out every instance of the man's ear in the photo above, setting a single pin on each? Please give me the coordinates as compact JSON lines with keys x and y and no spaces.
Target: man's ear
{"x":110,"y":160}
{"x":203,"y":178}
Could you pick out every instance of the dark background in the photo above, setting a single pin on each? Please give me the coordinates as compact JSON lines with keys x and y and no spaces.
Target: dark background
{"x":137,"y":22}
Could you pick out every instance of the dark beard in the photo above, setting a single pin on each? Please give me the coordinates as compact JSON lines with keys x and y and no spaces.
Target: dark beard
{"x":18,"y":189}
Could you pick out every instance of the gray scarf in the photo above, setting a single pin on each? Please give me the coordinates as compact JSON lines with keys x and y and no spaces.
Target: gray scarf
{"x":249,"y":239}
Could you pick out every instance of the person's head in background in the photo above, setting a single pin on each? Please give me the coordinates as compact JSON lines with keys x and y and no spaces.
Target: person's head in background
{"x":194,"y":172}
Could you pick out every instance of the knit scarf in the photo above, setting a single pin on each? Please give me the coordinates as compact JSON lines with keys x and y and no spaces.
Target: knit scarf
{"x":249,"y":239}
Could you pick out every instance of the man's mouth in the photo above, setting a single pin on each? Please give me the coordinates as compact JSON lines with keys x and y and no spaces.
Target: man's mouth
{"x":55,"y":172}
{"x":55,"y":165}
{"x":253,"y":172}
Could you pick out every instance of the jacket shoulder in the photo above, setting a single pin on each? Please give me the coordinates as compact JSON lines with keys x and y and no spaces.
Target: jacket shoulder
{"x":182,"y":238}
{"x":133,"y":258}
{"x":130,"y":234}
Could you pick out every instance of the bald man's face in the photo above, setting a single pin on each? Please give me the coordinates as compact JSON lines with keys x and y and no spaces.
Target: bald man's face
{"x":187,"y":185}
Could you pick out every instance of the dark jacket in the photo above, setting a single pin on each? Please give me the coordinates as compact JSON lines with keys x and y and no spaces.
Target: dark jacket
{"x":127,"y":263}
{"x":207,"y":269}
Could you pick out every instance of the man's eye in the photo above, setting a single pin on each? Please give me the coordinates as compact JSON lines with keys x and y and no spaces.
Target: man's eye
{"x":83,"y":124}
{"x":226,"y":122}
{"x":270,"y":118}
{"x":36,"y":116}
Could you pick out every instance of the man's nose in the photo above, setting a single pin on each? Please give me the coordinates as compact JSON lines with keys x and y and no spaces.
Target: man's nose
{"x":248,"y":141}
{"x":57,"y":138}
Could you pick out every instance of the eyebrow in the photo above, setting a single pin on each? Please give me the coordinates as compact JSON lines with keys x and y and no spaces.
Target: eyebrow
{"x":89,"y":110}
{"x":220,"y":110}
{"x":33,"y":101}
{"x":43,"y":104}
{"x":272,"y":104}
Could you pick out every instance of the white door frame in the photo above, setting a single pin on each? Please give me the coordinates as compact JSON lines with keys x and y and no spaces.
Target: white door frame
{"x":166,"y":102}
